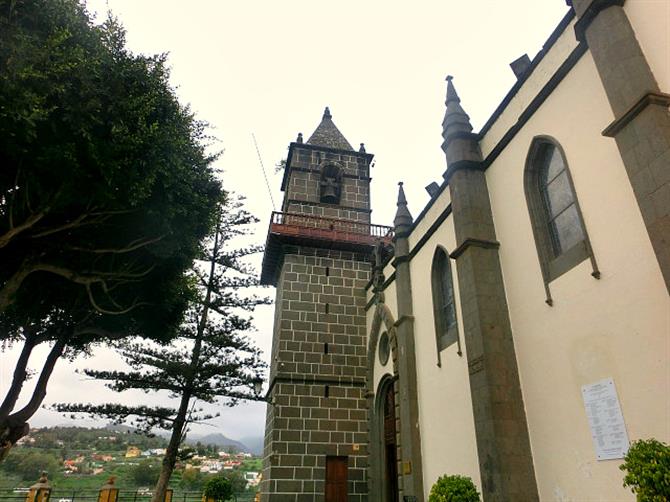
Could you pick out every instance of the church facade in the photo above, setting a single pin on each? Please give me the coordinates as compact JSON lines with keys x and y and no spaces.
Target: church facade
{"x":517,"y":330}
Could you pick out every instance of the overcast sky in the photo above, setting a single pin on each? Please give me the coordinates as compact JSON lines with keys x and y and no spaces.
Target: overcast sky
{"x":270,"y":67}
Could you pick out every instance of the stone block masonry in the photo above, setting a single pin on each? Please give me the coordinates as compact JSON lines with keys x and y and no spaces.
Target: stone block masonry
{"x":302,"y":190}
{"x":317,"y":375}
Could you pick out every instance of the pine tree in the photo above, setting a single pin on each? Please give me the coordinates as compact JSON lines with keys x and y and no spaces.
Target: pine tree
{"x":210,"y":361}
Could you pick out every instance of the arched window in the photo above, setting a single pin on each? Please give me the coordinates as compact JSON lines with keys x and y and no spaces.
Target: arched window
{"x":444,"y":301}
{"x":560,"y":234}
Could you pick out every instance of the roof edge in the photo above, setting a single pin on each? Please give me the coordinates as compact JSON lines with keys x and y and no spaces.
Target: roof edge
{"x":546,"y":47}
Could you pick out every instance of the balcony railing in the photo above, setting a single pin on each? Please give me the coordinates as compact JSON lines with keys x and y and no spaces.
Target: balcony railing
{"x":317,"y":227}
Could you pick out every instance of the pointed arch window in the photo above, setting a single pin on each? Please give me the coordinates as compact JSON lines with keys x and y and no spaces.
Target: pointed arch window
{"x":558,"y":226}
{"x":444,"y":302}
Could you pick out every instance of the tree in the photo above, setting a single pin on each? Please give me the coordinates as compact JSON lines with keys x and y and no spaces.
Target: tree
{"x":30,"y":463}
{"x":105,"y":192}
{"x":192,"y":480}
{"x":145,"y":473}
{"x":237,"y":481}
{"x":210,"y":359}
{"x":647,"y":466}
{"x":218,"y":489}
{"x":454,"y":489}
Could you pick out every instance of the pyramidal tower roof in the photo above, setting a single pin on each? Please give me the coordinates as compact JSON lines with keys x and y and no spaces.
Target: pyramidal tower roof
{"x":328,"y":135}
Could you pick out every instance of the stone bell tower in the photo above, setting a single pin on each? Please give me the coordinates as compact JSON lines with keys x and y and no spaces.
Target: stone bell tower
{"x":318,"y":255}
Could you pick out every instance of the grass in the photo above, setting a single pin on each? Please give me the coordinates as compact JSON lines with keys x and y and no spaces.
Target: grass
{"x":255,"y":464}
{"x":92,"y":482}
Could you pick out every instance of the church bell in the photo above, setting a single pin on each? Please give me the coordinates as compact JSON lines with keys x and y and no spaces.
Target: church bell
{"x":329,"y":193}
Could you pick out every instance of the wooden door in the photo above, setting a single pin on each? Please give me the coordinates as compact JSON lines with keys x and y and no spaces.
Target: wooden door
{"x":390,"y":459}
{"x":336,"y":479}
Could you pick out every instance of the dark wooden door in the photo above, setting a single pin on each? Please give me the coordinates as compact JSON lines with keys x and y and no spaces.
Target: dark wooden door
{"x":390,"y":459}
{"x":336,"y":479}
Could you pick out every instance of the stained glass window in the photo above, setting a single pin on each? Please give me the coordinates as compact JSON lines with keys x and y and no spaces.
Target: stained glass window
{"x":563,"y":222}
{"x":444,"y":303}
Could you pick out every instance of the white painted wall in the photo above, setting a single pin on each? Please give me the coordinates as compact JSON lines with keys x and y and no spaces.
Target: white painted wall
{"x":390,"y":294}
{"x":448,"y":443}
{"x":651,"y":21}
{"x":445,"y":408}
{"x":434,"y":212}
{"x":618,"y":326}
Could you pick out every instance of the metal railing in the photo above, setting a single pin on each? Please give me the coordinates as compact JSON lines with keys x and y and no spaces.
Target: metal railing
{"x":57,"y":495}
{"x":318,"y":226}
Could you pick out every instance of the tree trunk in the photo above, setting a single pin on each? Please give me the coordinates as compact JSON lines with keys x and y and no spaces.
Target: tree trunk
{"x":19,"y":377}
{"x":9,"y":436}
{"x":170,"y":458}
{"x":15,"y":426}
{"x":180,"y":420}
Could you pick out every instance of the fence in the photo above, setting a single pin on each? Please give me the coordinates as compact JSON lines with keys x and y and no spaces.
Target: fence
{"x":318,"y":226}
{"x":19,"y":495}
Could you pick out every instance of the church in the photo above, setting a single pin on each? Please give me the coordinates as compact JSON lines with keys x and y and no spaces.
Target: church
{"x":517,"y":329}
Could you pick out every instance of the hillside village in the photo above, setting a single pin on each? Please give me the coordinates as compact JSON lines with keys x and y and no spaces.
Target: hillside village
{"x":83,"y":458}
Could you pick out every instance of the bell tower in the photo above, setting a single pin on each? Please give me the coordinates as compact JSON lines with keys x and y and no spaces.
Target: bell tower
{"x":318,"y":255}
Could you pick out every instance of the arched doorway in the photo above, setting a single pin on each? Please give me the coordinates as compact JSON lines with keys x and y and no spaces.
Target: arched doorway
{"x":389,"y":445}
{"x":383,"y":470}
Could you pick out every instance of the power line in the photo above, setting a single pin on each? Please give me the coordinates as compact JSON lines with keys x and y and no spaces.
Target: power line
{"x":260,"y":159}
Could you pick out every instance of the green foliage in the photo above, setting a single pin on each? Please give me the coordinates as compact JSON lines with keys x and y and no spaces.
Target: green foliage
{"x":236,"y":479}
{"x":192,"y":480}
{"x":146,"y":472}
{"x":29,"y":463}
{"x":648,"y":466}
{"x":205,"y":449}
{"x":218,"y":488}
{"x":454,"y":489}
{"x":77,"y":439}
{"x":212,"y":360}
{"x":254,"y":464}
{"x":105,"y":190}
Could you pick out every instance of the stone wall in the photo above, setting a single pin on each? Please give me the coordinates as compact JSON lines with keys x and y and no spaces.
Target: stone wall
{"x":303,"y":187}
{"x":317,"y":379}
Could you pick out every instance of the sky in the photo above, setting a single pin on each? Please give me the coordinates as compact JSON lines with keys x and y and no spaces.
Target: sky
{"x":268,"y":69}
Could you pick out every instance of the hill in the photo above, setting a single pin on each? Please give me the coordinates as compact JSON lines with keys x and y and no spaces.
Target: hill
{"x":255,"y":444}
{"x":223,"y":442}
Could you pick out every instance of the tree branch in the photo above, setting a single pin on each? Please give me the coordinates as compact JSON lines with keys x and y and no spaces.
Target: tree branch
{"x":40,"y":391}
{"x":12,"y":285}
{"x":100,"y":333}
{"x":103,"y":310}
{"x":13,"y":231}
{"x":18,"y":379}
{"x":133,"y":246}
{"x":77,"y":222}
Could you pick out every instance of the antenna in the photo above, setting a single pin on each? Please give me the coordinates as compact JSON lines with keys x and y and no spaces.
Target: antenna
{"x":260,"y":159}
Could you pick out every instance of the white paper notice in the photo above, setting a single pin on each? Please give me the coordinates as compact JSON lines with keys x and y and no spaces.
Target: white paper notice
{"x":608,"y":430}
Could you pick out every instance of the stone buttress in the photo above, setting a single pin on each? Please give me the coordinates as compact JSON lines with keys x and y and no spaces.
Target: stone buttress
{"x":503,"y":444}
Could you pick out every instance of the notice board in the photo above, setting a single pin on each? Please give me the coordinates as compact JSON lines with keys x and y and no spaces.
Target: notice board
{"x":603,"y":411}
